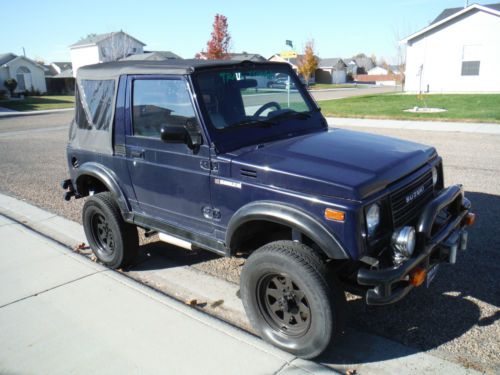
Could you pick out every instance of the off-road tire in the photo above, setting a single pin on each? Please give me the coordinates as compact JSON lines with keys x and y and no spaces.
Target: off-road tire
{"x":309,"y":275}
{"x":124,"y":238}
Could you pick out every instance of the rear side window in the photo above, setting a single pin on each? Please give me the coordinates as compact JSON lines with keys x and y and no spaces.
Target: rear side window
{"x":160,"y":102}
{"x":94,"y":101}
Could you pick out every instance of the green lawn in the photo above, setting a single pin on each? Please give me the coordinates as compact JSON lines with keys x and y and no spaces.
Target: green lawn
{"x":461,"y":107}
{"x":322,"y":86}
{"x":37,"y":103}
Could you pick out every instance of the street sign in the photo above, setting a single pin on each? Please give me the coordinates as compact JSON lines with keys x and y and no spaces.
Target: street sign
{"x":288,"y":54}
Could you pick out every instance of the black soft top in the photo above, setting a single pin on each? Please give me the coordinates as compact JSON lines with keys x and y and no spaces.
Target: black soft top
{"x":171,"y":66}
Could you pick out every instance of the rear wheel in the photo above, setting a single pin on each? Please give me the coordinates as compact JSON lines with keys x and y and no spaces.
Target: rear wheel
{"x":114,"y":242}
{"x":291,"y":299}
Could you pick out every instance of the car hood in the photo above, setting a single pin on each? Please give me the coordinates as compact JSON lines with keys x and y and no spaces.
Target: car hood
{"x":336,"y":163}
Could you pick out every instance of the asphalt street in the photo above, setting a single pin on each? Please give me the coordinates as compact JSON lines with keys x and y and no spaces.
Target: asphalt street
{"x":457,"y":318}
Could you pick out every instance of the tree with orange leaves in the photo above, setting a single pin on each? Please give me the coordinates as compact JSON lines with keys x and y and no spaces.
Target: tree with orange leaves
{"x":219,"y":44}
{"x":308,"y":62}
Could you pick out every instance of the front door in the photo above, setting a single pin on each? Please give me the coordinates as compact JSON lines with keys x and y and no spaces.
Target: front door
{"x":170,"y":180}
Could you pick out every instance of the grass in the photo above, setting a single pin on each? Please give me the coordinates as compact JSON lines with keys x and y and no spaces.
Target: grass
{"x":322,"y":86}
{"x":37,"y":103}
{"x":461,"y":107}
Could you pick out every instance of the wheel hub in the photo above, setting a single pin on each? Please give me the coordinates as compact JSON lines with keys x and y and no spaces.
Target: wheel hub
{"x":284,"y":304}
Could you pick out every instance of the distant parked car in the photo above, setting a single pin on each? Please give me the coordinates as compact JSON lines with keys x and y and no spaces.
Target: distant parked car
{"x":280,"y":83}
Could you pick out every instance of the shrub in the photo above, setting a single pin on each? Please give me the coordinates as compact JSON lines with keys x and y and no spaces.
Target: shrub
{"x":3,"y":94}
{"x":11,"y":85}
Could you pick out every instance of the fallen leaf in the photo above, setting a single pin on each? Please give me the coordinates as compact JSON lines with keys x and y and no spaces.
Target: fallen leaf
{"x":217,"y":303}
{"x":192,"y":302}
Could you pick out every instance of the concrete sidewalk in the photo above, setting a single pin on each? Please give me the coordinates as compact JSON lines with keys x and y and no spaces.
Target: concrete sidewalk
{"x":61,"y":313}
{"x":366,"y":353}
{"x":438,"y":126}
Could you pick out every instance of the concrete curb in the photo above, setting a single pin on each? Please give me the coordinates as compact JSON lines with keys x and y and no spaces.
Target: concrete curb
{"x":438,"y":126}
{"x":30,"y":113}
{"x":361,"y":351}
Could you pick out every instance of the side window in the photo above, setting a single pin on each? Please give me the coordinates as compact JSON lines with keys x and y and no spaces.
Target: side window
{"x":160,"y":102}
{"x":94,"y":102}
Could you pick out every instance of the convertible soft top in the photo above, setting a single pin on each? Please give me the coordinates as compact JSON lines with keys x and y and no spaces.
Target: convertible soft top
{"x":112,"y":70}
{"x":97,"y":85}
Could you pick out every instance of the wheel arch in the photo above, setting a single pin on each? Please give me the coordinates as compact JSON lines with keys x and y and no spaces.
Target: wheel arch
{"x":285,"y":215}
{"x":90,"y":173}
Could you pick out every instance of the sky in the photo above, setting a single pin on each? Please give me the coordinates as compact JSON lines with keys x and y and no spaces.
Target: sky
{"x":339,"y":28}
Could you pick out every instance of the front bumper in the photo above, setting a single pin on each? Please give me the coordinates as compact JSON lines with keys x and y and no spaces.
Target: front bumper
{"x":392,"y":284}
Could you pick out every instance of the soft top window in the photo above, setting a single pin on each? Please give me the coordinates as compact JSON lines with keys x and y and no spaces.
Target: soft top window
{"x":94,"y":100}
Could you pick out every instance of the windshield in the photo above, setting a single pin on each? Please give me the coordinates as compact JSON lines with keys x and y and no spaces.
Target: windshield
{"x":256,"y":98}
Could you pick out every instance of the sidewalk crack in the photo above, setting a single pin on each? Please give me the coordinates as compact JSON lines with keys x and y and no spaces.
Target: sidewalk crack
{"x":52,"y":288}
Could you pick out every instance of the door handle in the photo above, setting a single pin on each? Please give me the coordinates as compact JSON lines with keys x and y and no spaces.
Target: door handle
{"x":137,"y":154}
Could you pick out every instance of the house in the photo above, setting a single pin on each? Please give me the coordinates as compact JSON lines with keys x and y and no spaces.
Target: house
{"x":153,"y":56}
{"x":388,"y":79}
{"x":377,"y":70}
{"x":294,"y":62}
{"x":458,"y":52}
{"x":29,"y":74}
{"x":59,"y":78}
{"x":98,"y":48}
{"x":243,"y":56}
{"x":54,"y":68}
{"x":331,"y":70}
{"x":358,"y":65}
{"x":247,"y":56}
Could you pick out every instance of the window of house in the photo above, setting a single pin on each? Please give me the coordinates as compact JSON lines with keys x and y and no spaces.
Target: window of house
{"x":161,"y":102}
{"x":23,"y":78}
{"x":471,"y":60}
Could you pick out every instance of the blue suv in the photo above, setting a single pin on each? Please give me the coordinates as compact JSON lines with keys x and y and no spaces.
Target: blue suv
{"x":207,"y":155}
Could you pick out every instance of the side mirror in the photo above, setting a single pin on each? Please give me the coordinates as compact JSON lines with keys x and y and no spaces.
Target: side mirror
{"x":179,"y":134}
{"x":174,"y":134}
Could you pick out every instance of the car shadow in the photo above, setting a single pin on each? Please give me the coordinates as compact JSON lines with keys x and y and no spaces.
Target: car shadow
{"x":425,"y":319}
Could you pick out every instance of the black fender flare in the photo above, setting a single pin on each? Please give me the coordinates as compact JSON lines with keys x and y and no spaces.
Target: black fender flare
{"x":287,"y":215}
{"x":108,"y":178}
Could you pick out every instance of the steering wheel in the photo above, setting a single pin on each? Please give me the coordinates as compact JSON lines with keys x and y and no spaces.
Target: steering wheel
{"x":267,"y":106}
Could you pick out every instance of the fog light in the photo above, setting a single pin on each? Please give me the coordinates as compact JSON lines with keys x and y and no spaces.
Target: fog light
{"x":403,"y":244}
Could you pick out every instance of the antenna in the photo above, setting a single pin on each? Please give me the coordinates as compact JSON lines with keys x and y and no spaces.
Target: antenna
{"x":466,"y":3}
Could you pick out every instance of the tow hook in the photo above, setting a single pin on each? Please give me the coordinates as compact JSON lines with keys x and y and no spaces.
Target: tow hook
{"x":453,"y":243}
{"x":68,"y":185}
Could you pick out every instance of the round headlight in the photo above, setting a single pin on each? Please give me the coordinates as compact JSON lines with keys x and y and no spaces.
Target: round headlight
{"x":403,"y":244}
{"x":434,"y":176}
{"x":372,"y":218}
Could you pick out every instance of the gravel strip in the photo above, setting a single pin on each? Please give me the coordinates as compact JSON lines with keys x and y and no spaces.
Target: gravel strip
{"x":457,"y":318}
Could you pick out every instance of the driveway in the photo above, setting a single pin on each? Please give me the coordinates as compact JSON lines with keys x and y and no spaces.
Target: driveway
{"x":456,"y":319}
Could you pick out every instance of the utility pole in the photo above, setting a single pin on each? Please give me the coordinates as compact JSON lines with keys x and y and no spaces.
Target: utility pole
{"x":290,"y":44}
{"x":24,"y":52}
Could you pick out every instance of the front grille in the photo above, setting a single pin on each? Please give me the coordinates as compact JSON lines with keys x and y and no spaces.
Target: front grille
{"x":409,"y":201}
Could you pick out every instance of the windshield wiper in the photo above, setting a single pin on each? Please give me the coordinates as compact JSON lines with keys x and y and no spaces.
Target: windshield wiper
{"x":292,"y":114}
{"x":258,"y":123}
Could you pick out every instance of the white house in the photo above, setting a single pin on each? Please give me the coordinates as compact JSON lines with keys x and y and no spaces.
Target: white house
{"x":102,"y":48}
{"x":377,"y":71}
{"x":331,"y":70}
{"x":458,"y":52}
{"x":28,"y":74}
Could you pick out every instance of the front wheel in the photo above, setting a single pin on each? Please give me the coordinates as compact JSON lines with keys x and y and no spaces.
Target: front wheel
{"x":290,"y":298}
